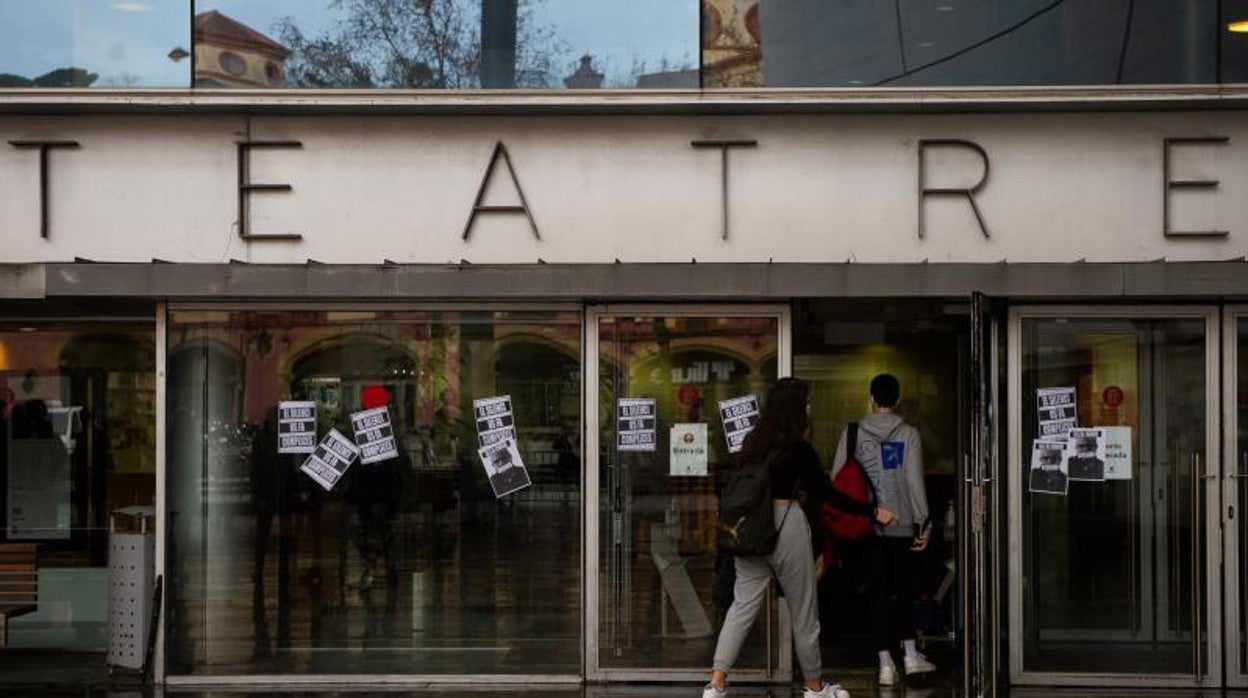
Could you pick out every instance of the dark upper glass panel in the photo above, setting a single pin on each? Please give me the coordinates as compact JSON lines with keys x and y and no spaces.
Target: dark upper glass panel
{"x":446,"y":44}
{"x":95,"y":43}
{"x":912,"y":43}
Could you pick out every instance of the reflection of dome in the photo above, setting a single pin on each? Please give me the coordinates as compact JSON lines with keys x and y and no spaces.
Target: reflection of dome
{"x":231,"y":54}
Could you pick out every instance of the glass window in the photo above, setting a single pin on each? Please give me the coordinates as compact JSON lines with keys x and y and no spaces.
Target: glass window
{"x":77,"y":444}
{"x":1112,"y":538}
{"x":95,"y":43}
{"x":813,"y":43}
{"x":410,"y":564}
{"x":446,"y":44}
{"x":663,"y":585}
{"x":1239,"y":466}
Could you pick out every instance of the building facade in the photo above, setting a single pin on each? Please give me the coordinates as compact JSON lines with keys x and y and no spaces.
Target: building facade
{"x":240,"y":239}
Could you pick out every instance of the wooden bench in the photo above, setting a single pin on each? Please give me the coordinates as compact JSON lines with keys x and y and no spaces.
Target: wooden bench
{"x":19,"y":583}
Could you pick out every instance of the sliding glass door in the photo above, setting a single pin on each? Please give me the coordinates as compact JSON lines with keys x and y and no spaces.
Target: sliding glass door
{"x":1113,"y":517}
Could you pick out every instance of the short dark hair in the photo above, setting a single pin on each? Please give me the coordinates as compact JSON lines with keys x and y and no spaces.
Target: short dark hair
{"x":885,"y":390}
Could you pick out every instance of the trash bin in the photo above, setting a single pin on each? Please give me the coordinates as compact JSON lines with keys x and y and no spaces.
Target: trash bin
{"x":131,"y":580}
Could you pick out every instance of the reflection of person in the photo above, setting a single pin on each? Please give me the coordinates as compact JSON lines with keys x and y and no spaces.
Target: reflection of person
{"x":271,"y":476}
{"x":567,"y":463}
{"x":890,"y":452}
{"x":31,"y":420}
{"x":375,"y":490}
{"x":781,"y":429}
{"x":1084,"y":465}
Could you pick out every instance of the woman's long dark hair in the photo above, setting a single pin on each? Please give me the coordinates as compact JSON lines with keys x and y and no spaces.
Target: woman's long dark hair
{"x":783,"y":422}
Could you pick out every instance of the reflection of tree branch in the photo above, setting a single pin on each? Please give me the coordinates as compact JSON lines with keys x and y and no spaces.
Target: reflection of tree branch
{"x":412,"y":43}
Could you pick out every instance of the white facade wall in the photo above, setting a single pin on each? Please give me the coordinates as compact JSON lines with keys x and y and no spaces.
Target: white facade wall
{"x":817,"y":188}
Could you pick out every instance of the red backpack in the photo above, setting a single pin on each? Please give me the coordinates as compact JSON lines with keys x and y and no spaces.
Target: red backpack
{"x":852,"y":481}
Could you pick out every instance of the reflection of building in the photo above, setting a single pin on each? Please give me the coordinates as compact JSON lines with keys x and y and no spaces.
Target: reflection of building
{"x":732,"y":54}
{"x":231,"y":54}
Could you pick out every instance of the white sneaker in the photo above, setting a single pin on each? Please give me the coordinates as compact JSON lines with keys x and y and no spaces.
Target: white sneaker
{"x":713,"y":691}
{"x":888,"y":675}
{"x":918,"y":664}
{"x":829,"y":690}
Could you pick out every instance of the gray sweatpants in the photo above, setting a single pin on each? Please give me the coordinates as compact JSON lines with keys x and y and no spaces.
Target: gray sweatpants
{"x":793,"y":566}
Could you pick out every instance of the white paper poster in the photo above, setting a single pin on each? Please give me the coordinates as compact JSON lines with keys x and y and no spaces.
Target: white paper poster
{"x":330,"y":460}
{"x":1117,"y":453}
{"x":1056,"y":410}
{"x":296,"y":427}
{"x":495,"y":422}
{"x":504,"y":467}
{"x":1085,"y":455}
{"x":688,"y":451}
{"x":1048,"y":467}
{"x":739,"y":415}
{"x":374,"y":434}
{"x":636,"y":424}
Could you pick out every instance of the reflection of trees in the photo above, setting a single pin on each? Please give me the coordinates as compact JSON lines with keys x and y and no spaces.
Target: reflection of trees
{"x":61,"y":77}
{"x":413,"y":44}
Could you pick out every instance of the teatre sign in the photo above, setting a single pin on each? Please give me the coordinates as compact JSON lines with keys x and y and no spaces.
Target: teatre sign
{"x":562,"y":189}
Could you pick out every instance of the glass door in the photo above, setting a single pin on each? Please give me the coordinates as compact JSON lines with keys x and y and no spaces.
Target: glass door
{"x":977,"y":510}
{"x":1235,"y":494}
{"x":656,"y":588}
{"x":1114,"y":544}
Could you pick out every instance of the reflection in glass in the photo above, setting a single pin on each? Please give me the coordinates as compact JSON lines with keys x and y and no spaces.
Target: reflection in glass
{"x":1239,"y":466}
{"x":663,"y":587}
{"x":77,"y":444}
{"x":95,"y":43}
{"x":446,"y":44}
{"x":1112,"y":570}
{"x":408,"y":565}
{"x":812,"y":43}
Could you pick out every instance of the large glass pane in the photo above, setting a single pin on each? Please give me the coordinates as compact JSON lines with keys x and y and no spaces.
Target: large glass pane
{"x":663,"y":587}
{"x":1113,"y":540}
{"x":446,"y":44}
{"x":95,"y":43}
{"x":1239,"y":466}
{"x":409,"y":565}
{"x":1234,"y":41}
{"x":77,"y":444}
{"x":814,"y":43}
{"x":839,"y":347}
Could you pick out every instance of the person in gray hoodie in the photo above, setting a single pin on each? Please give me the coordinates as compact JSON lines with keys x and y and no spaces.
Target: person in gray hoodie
{"x":891,"y":454}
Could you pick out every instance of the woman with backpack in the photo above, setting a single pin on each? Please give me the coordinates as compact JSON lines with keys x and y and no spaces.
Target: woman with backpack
{"x":778,"y":446}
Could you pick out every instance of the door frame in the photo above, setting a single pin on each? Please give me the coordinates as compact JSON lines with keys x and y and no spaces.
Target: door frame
{"x":1212,"y":617}
{"x":1233,"y":591}
{"x":979,"y":504}
{"x":591,"y":499}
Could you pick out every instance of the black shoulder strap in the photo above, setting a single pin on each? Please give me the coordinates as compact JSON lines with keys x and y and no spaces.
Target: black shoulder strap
{"x":851,"y":440}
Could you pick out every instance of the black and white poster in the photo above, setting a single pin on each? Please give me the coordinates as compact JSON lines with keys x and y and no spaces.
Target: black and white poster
{"x":1048,"y":468}
{"x":374,"y":434}
{"x":1085,"y":455}
{"x":330,"y":460}
{"x":636,"y":424}
{"x":739,"y":415}
{"x":495,"y":422}
{"x":296,"y":426}
{"x":1055,"y":408}
{"x":504,"y":467}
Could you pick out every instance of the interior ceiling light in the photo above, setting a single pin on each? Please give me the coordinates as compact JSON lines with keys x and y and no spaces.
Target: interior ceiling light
{"x":1240,"y":27}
